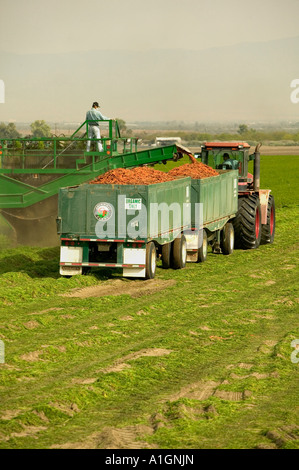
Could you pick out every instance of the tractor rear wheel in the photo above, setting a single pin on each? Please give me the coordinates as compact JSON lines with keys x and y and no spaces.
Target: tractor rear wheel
{"x":268,"y":230}
{"x":179,"y":253}
{"x":227,"y":239}
{"x":247,"y":223}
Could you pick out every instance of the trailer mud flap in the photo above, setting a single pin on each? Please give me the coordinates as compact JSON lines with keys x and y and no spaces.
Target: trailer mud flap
{"x":135,"y":256}
{"x":70,"y":270}
{"x":71,"y":254}
{"x":194,"y":242}
{"x":134,"y":272}
{"x":264,"y":198}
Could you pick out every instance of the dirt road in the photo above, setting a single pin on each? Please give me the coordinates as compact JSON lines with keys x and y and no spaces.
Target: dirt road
{"x":269,"y":150}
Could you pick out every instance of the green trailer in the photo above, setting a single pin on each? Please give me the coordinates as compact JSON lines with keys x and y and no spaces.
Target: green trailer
{"x":123,"y":226}
{"x":214,"y":204}
{"x":129,"y":226}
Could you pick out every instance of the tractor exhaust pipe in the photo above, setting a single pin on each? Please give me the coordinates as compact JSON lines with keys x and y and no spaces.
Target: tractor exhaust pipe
{"x":257,"y":168}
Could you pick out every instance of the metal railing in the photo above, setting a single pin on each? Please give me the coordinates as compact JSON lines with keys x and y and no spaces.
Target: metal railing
{"x":57,"y":153}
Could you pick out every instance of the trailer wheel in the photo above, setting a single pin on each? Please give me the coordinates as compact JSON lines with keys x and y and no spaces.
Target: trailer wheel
{"x":247,"y":223}
{"x":268,"y":230}
{"x":86,"y":270}
{"x":227,"y":240}
{"x":203,"y":250}
{"x":151,"y":261}
{"x":166,"y":255}
{"x":179,"y":254}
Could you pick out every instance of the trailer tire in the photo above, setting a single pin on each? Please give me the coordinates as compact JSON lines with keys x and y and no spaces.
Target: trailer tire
{"x":86,"y":270}
{"x":151,"y":261}
{"x":179,"y":254}
{"x":247,"y":223}
{"x":268,"y":230}
{"x":227,"y":239}
{"x":203,"y":250}
{"x":166,"y":255}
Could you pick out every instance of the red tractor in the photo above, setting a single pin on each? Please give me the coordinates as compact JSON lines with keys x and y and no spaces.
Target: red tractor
{"x":255,"y":221}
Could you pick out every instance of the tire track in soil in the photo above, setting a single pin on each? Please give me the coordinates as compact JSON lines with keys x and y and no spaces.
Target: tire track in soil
{"x":121,"y":363}
{"x":113,"y":438}
{"x":130,"y":437}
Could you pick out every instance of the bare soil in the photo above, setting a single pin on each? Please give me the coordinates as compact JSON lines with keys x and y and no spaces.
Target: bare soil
{"x":270,"y":149}
{"x":120,"y":287}
{"x":279,"y":150}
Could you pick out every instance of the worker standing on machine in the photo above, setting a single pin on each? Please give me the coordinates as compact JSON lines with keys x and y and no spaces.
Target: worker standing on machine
{"x":92,"y":117}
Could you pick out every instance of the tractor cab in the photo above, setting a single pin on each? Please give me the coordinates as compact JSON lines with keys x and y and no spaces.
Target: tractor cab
{"x":229,"y":156}
{"x":255,"y":220}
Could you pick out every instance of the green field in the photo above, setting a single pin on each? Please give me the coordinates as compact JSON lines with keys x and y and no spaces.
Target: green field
{"x":199,"y":358}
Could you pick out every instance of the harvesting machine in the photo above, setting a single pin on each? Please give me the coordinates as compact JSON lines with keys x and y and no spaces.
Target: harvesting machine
{"x":32,"y":170}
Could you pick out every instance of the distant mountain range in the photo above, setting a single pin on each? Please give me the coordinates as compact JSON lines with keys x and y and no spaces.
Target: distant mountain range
{"x":249,"y":81}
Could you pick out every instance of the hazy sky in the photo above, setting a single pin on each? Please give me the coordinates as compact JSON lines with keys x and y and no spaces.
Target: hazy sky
{"x":33,"y":26}
{"x":138,"y":81}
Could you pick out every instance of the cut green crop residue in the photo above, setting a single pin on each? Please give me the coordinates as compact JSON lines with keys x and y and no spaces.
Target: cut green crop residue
{"x":201,"y":359}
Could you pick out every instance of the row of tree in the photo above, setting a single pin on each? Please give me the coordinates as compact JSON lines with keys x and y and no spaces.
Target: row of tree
{"x":38,"y":128}
{"x":244,"y":133}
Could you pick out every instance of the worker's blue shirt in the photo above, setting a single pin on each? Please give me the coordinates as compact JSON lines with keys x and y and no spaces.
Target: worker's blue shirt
{"x":93,"y":115}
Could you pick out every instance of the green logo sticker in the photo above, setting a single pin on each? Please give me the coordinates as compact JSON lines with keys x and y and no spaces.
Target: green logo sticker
{"x":103,"y":211}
